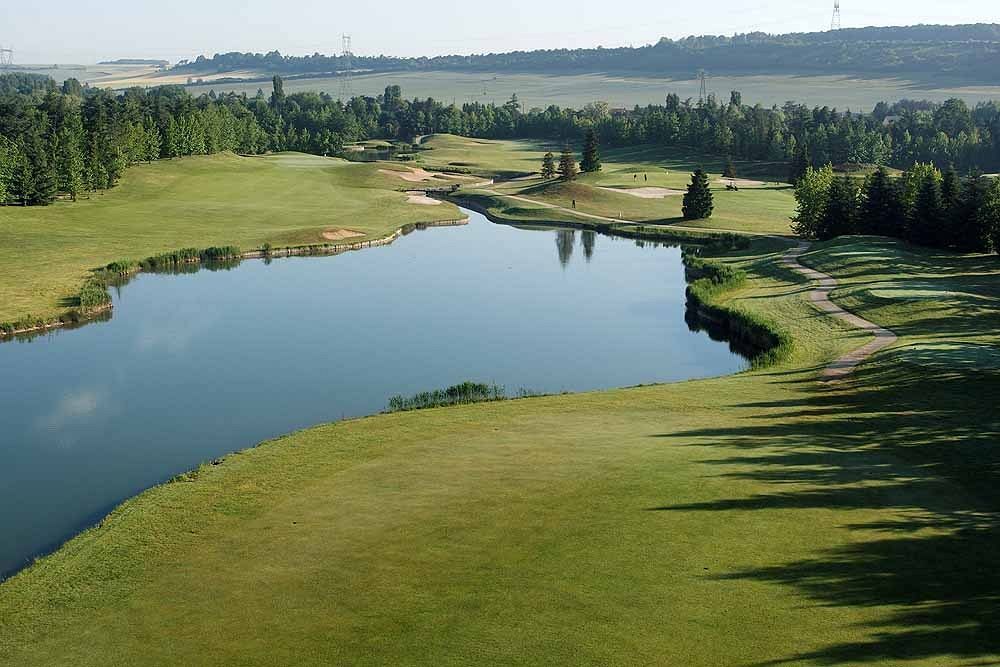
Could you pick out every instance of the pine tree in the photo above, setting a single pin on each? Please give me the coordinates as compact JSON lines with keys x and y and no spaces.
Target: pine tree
{"x":8,"y":161}
{"x":22,"y":181}
{"x":990,"y":214}
{"x":972,"y":233}
{"x":730,"y":171}
{"x":841,"y":211}
{"x":800,"y":163}
{"x":567,"y":164}
{"x":548,"y":165}
{"x":591,"y":161}
{"x":43,"y":177}
{"x":882,"y":212}
{"x":69,"y":162}
{"x":698,"y":202}
{"x":951,"y":190}
{"x":925,"y":226}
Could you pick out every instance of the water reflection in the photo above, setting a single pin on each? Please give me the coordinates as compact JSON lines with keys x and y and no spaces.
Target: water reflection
{"x":565,"y":240}
{"x":195,"y":365}
{"x":589,"y":238}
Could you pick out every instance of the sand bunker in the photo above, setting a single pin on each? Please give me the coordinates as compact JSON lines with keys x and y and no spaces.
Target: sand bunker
{"x":341,"y":234}
{"x":740,"y":182}
{"x":421,"y":198}
{"x":646,"y":193}
{"x":418,"y":175}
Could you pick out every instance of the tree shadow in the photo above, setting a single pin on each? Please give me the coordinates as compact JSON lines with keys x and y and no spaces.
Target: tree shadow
{"x":919,"y":442}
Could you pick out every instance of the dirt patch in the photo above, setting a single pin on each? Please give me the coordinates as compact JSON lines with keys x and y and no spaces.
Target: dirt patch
{"x":646,"y":192}
{"x":341,"y":234}
{"x":418,"y":197}
{"x":740,"y":182}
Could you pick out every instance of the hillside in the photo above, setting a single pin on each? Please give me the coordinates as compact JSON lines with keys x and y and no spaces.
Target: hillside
{"x":963,"y":53}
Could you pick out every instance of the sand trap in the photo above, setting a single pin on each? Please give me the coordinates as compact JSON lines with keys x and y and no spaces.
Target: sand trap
{"x":341,"y":234}
{"x":463,"y":177}
{"x":952,"y":356}
{"x":646,"y":193}
{"x":740,"y":182}
{"x":421,"y":198}
{"x":418,"y":175}
{"x":413,"y":175}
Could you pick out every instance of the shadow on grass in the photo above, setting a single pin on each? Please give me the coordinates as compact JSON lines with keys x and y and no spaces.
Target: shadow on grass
{"x":921,"y":442}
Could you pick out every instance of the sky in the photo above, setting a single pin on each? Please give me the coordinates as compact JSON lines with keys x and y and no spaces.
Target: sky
{"x":84,"y":31}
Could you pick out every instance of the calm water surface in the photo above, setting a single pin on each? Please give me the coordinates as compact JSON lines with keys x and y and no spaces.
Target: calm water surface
{"x":194,"y":366}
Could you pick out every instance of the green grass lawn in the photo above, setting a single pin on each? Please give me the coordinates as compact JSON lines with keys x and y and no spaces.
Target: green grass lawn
{"x":288,"y":199}
{"x":763,"y":206}
{"x":760,"y":518}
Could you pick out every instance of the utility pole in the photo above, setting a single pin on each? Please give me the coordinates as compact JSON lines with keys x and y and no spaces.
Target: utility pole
{"x":347,"y":61}
{"x":703,"y":86}
{"x":6,"y":58}
{"x":835,"y":22}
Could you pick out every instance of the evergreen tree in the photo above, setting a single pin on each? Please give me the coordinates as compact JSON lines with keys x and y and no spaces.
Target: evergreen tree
{"x":800,"y":163}
{"x":278,"y":96}
{"x":730,"y":171}
{"x":841,"y":212}
{"x":698,"y":202}
{"x":990,"y":214}
{"x":972,"y":232}
{"x":812,"y":192}
{"x":43,"y":177}
{"x":881,"y":211}
{"x":8,"y":161}
{"x":927,"y":217}
{"x":22,"y":181}
{"x":591,"y":161}
{"x":567,"y":164}
{"x":951,"y":190}
{"x":548,"y":165}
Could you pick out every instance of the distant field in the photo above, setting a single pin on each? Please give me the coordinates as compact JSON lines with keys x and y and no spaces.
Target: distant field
{"x":541,"y":89}
{"x":627,"y":91}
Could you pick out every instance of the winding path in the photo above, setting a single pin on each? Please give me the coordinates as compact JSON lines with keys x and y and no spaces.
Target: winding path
{"x":821,"y":297}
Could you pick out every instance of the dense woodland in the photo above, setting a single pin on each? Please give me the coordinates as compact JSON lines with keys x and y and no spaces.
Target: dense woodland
{"x":66,"y":140}
{"x":923,"y":206}
{"x":963,"y":52}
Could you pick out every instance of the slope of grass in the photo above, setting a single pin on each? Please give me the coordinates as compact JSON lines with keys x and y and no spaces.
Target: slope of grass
{"x":289,"y":199}
{"x":758,"y":518}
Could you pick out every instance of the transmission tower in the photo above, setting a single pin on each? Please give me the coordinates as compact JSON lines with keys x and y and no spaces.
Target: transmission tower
{"x":6,"y":58}
{"x":347,"y":62}
{"x":702,"y":86}
{"x":835,"y":22}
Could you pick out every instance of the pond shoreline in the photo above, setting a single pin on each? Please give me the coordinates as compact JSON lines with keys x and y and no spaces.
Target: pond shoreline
{"x":75,"y":318}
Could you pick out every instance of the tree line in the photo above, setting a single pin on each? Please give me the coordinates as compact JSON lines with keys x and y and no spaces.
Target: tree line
{"x":924,"y":206}
{"x":70,"y":139}
{"x":969,"y":52}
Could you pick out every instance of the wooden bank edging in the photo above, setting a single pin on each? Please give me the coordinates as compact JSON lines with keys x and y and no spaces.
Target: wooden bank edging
{"x":79,"y":317}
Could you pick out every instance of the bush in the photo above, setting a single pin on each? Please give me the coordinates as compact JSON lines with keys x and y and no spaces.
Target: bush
{"x":459,"y":394}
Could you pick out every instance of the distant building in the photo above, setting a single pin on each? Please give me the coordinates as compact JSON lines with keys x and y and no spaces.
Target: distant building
{"x":890,"y":120}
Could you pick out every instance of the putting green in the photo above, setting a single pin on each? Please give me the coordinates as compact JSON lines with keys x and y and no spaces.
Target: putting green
{"x":950,"y":356}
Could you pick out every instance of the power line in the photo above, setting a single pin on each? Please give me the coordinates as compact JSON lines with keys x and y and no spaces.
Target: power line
{"x":835,"y":22}
{"x":347,"y":65}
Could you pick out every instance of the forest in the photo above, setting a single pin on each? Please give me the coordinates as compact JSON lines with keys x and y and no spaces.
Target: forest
{"x":962,"y":52}
{"x":69,"y":139}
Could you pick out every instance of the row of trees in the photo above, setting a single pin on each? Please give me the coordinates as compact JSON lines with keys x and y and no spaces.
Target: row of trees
{"x":567,"y":169}
{"x":72,"y":139}
{"x":923,"y":206}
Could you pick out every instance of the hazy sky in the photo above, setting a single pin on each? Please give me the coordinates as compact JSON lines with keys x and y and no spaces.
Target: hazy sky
{"x":84,"y":31}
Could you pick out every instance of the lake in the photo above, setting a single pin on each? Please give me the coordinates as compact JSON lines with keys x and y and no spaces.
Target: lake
{"x":196,"y":365}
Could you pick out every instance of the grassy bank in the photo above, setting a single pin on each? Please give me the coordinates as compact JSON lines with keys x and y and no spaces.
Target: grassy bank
{"x":741,"y":520}
{"x":48,"y":253}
